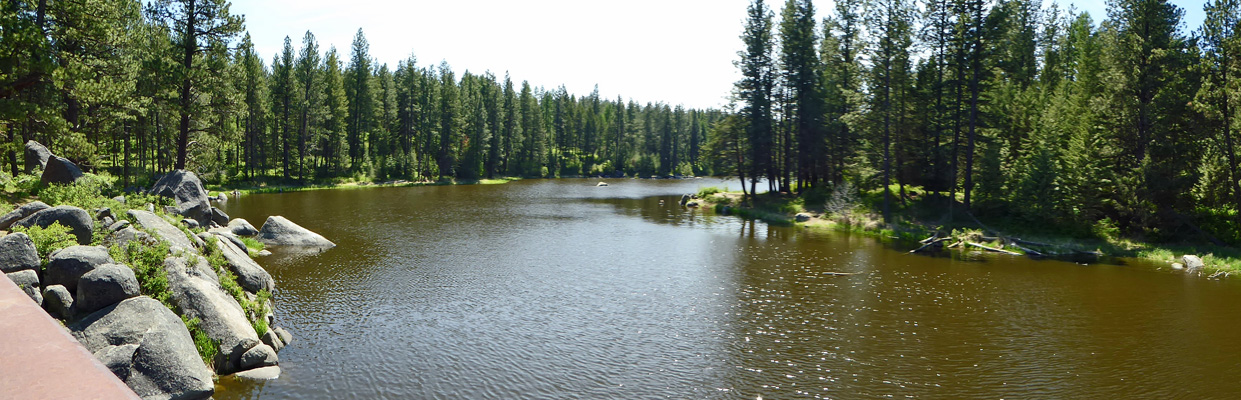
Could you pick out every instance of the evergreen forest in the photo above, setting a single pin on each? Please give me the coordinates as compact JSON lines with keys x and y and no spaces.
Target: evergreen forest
{"x":1013,"y":109}
{"x":1035,"y":112}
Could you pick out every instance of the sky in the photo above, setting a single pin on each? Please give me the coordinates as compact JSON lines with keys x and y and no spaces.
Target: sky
{"x":672,"y":51}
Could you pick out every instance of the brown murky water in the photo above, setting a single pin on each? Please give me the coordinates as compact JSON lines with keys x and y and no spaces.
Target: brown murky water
{"x":556,"y":289}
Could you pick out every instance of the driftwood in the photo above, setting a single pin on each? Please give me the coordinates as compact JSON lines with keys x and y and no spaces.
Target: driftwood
{"x":932,"y":243}
{"x":997,"y":250}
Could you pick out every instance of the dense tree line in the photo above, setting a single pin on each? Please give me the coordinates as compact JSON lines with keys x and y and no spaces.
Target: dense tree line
{"x":140,"y":90}
{"x":1013,"y":108}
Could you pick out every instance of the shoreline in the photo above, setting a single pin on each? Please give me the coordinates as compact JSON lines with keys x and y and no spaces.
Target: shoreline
{"x":789,"y":210}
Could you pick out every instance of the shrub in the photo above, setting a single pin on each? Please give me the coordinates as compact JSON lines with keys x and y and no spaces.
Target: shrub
{"x":207,"y":348}
{"x":147,"y":261}
{"x":87,"y":192}
{"x":50,"y":239}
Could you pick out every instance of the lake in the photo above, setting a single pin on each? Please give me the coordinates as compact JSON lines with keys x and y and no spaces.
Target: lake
{"x":558,"y":289}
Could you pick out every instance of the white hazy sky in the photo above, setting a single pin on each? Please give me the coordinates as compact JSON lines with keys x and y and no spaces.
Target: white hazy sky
{"x":674,"y":51}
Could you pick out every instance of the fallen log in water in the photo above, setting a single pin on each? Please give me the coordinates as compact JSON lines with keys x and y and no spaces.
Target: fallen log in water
{"x":997,"y":250}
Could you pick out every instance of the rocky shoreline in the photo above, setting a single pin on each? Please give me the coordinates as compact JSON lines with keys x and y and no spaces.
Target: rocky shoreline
{"x":166,"y":304}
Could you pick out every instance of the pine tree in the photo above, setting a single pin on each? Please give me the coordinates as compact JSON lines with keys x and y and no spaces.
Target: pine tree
{"x":195,"y":24}
{"x":755,"y":91}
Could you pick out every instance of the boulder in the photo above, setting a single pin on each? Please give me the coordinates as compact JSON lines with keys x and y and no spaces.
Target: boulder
{"x":189,"y":223}
{"x":259,"y":356}
{"x":685,"y":198}
{"x":36,"y":156}
{"x":272,"y":339}
{"x":118,"y":225}
{"x":1192,"y":263}
{"x":284,"y":335}
{"x":164,"y":364}
{"x":801,"y":217}
{"x":105,"y":212}
{"x":279,"y":231}
{"x":197,"y":292}
{"x":219,"y":217}
{"x":250,"y":275}
{"x":184,"y":187}
{"x":601,"y":184}
{"x":104,"y":286}
{"x":28,"y":281}
{"x":107,"y":221}
{"x":61,"y":171}
{"x":123,"y":236}
{"x":264,"y":253}
{"x":241,"y":227}
{"x":224,"y":234}
{"x":120,"y":199}
{"x":163,"y":230}
{"x":17,"y":253}
{"x":76,"y":219}
{"x":692,"y":204}
{"x":259,"y":374}
{"x":57,"y":301}
{"x":67,"y":265}
{"x":22,"y":212}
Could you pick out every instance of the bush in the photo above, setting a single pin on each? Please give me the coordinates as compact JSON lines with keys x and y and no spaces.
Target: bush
{"x":207,"y":348}
{"x":50,"y":239}
{"x":147,"y":261}
{"x":87,"y":193}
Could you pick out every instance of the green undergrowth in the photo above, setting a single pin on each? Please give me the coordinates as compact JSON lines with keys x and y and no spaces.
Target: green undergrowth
{"x":256,"y":307}
{"x":207,"y":348}
{"x":48,"y":240}
{"x":147,"y":261}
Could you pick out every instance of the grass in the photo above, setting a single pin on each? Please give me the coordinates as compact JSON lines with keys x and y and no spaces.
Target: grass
{"x":207,"y":348}
{"x":256,"y":308}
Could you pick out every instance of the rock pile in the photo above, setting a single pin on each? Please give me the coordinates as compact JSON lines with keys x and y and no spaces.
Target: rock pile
{"x":140,"y":339}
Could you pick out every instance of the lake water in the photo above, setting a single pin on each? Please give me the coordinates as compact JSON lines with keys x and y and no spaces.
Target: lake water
{"x":557,"y":289}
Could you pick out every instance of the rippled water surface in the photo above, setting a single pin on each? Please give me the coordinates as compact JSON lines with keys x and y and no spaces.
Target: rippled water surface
{"x":557,"y":289}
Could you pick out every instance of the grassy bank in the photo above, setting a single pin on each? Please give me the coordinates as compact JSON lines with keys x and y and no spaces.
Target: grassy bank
{"x":920,"y":216}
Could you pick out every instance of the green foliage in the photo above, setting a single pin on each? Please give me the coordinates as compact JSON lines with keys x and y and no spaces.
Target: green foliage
{"x":708,"y":191}
{"x":50,"y":239}
{"x":207,"y":348}
{"x":252,"y":244}
{"x":89,"y":192}
{"x":147,"y":261}
{"x":255,"y":308}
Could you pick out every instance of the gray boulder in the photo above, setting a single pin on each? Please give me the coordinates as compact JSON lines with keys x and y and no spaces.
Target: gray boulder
{"x":219,"y":217}
{"x":76,"y":219}
{"x":164,"y":364}
{"x":279,"y":231}
{"x":259,"y":356}
{"x":164,"y":230}
{"x":225,"y":234}
{"x":1192,"y":263}
{"x":118,"y":225}
{"x":105,"y":212}
{"x":61,"y":171}
{"x":57,"y":301}
{"x":272,"y":339}
{"x":189,"y":223}
{"x":685,"y":198}
{"x":22,"y":212}
{"x":801,"y":217}
{"x":184,"y":187}
{"x":36,"y":156}
{"x":284,"y":335}
{"x":123,"y":236}
{"x":28,"y":281}
{"x":104,"y":286}
{"x":250,"y":275}
{"x":197,"y":292}
{"x":241,"y":227}
{"x":17,"y":253}
{"x":67,"y":265}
